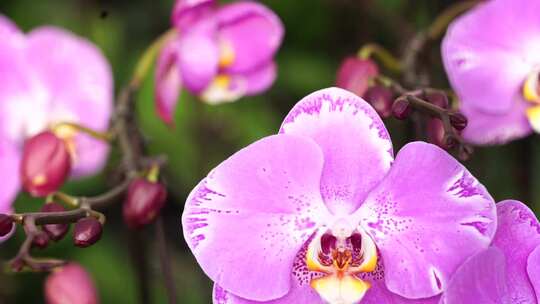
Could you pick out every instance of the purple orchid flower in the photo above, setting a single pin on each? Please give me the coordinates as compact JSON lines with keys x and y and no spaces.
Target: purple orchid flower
{"x":322,"y":213}
{"x":509,"y":270}
{"x":49,"y":76}
{"x":220,"y":53}
{"x":492,"y":58}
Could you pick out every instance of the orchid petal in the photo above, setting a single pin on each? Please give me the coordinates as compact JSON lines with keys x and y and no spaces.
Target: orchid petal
{"x":246,"y":222}
{"x":188,"y":12}
{"x":533,"y":270}
{"x":489,"y":51}
{"x":251,"y":31}
{"x":79,"y":81}
{"x":168,"y":82}
{"x":9,"y":168}
{"x":198,"y":56}
{"x":518,"y":234}
{"x":379,"y":293}
{"x":481,"y":279}
{"x":484,"y":128}
{"x":356,"y":145}
{"x":427,"y":216}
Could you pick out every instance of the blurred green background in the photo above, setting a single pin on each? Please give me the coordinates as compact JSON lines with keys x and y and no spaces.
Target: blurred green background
{"x":319,"y":33}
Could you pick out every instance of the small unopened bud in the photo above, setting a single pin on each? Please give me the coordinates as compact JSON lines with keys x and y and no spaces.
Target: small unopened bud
{"x":381,"y":99}
{"x":437,"y":98}
{"x":45,"y":164}
{"x":6,"y":224}
{"x":401,"y":108}
{"x":354,"y":74}
{"x":70,"y":284}
{"x":143,"y":202}
{"x":55,"y":231}
{"x":87,"y":231}
{"x":41,"y":240}
{"x":458,"y":121}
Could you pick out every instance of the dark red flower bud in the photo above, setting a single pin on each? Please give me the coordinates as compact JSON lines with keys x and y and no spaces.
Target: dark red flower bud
{"x":41,"y":240}
{"x":401,"y":108}
{"x":70,"y":284}
{"x":55,"y":231}
{"x":437,"y":98}
{"x":354,"y":74}
{"x":381,"y":98}
{"x":87,"y":231}
{"x":143,"y":202}
{"x":45,"y":164}
{"x":458,"y":121}
{"x":6,"y":224}
{"x":435,"y":132}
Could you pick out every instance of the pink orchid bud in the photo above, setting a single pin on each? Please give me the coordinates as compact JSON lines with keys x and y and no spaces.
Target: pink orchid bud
{"x":401,"y":109}
{"x":437,"y":98}
{"x":436,"y":134}
{"x":6,"y":224}
{"x":70,"y":284}
{"x":143,"y":203}
{"x":354,"y":74}
{"x":55,"y":231}
{"x":87,"y":231}
{"x":381,"y":98}
{"x":45,"y":164}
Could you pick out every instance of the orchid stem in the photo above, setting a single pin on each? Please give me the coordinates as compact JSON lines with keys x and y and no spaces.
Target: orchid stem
{"x":441,"y":22}
{"x":375,"y":50}
{"x":104,"y":136}
{"x":145,"y":61}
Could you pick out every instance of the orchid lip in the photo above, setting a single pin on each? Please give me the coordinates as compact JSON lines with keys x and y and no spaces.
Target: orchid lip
{"x":531,"y":86}
{"x":340,"y":254}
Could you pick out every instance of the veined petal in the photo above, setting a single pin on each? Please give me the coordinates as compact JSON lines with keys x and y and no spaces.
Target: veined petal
{"x":251,"y":31}
{"x":489,"y":51}
{"x":297,"y":294}
{"x":481,"y":279}
{"x":168,"y":82}
{"x":79,"y":82}
{"x":533,"y":269}
{"x":427,"y":216}
{"x":484,"y":128}
{"x":379,"y":293}
{"x":518,"y":234}
{"x":355,"y":143}
{"x":246,"y":222}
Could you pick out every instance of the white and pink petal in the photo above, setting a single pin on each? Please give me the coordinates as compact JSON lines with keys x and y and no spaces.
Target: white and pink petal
{"x":427,"y":216}
{"x":356,"y":145}
{"x":247,"y":221}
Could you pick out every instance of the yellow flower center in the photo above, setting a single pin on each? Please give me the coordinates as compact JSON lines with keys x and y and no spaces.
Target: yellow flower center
{"x":341,"y":255}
